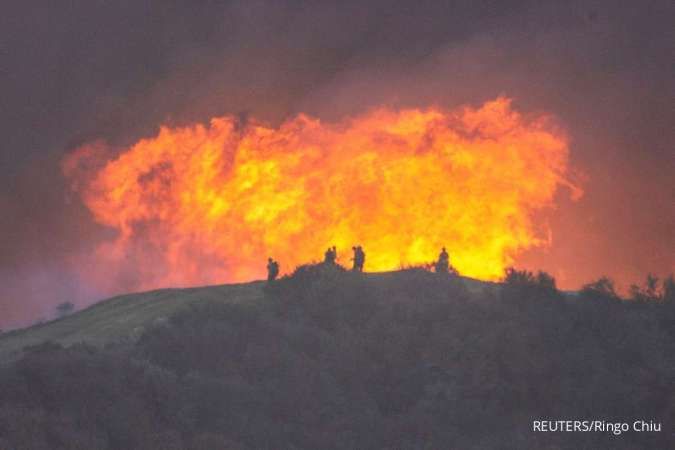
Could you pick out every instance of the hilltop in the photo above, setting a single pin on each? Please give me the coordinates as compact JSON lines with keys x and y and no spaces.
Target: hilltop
{"x":329,"y":359}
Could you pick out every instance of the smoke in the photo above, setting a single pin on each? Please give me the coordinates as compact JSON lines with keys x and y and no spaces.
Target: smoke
{"x":117,"y":70}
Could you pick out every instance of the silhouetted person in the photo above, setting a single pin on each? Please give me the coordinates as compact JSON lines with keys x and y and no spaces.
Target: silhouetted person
{"x":443,"y":263}
{"x":272,"y":269}
{"x":330,"y":256}
{"x":359,"y":259}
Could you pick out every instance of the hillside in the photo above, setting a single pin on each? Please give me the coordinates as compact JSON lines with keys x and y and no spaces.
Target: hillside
{"x":125,"y":317}
{"x":328,"y":359}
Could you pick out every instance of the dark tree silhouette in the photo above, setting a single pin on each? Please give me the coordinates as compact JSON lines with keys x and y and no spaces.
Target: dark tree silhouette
{"x":65,"y":308}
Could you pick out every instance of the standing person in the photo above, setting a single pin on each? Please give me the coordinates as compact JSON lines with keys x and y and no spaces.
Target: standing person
{"x":359,"y":258}
{"x":329,"y":256}
{"x":443,"y":263}
{"x":272,"y":269}
{"x":355,"y":259}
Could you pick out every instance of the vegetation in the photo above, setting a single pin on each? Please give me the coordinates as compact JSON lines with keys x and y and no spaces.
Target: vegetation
{"x":64,"y":309}
{"x":122,"y":318}
{"x":330,"y":359}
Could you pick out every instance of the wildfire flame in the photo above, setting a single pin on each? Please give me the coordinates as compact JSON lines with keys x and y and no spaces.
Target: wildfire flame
{"x":205,"y":204}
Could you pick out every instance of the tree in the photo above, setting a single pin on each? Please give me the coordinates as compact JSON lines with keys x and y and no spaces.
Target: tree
{"x":669,"y":290}
{"x":516,"y":277}
{"x":542,"y":282}
{"x":647,"y":293}
{"x":65,"y":308}
{"x":546,"y":281}
{"x":601,"y":288}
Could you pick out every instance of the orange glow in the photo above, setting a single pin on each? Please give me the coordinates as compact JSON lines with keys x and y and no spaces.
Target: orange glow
{"x":208,"y":204}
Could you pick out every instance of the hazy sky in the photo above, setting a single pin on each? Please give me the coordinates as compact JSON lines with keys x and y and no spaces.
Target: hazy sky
{"x":73,"y":71}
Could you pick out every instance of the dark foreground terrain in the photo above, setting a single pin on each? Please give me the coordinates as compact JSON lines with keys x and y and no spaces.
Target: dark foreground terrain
{"x":327,"y":359}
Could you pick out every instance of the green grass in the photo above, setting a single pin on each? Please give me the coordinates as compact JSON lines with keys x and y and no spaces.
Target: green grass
{"x":125,"y":317}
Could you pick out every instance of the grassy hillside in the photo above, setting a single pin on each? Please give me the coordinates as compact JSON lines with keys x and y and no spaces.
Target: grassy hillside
{"x":125,"y":317}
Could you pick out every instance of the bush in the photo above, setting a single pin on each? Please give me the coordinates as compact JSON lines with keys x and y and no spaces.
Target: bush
{"x":65,"y":308}
{"x":600,"y":290}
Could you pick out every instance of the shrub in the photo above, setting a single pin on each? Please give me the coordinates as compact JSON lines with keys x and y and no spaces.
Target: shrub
{"x":65,"y":308}
{"x":601,"y":289}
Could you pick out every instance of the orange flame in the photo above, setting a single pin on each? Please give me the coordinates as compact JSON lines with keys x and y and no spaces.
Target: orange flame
{"x":205,"y":204}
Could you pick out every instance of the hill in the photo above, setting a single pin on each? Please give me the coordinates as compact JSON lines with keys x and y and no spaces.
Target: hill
{"x":122,"y":317}
{"x":328,"y":359}
{"x":125,"y":317}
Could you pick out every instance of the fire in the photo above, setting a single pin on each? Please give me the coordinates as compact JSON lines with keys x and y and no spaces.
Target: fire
{"x":206,"y":204}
